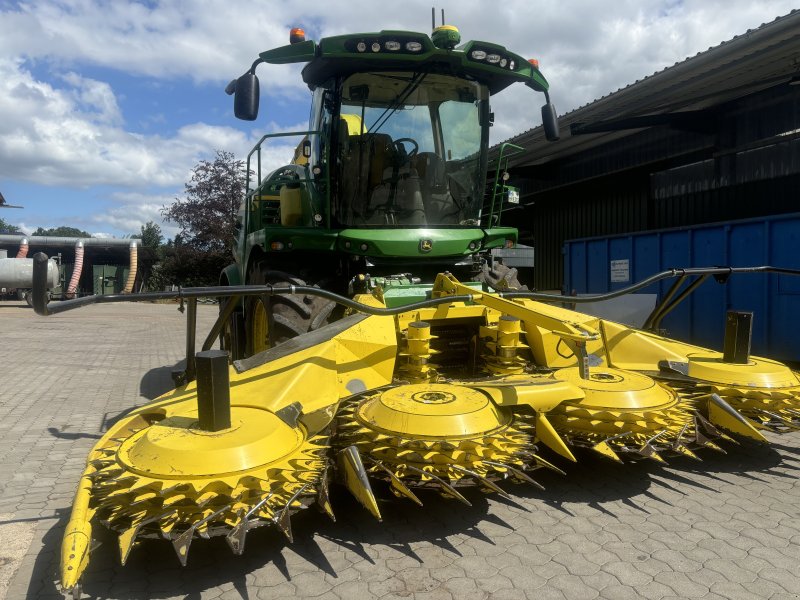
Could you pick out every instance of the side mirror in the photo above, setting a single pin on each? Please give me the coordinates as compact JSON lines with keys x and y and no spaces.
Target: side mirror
{"x":245,"y":100}
{"x":550,"y":122}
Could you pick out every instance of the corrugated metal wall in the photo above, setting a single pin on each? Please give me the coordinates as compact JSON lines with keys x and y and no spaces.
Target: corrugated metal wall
{"x":661,"y":177}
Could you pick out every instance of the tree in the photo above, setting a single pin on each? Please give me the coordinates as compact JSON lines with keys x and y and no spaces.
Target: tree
{"x":6,"y":227}
{"x":150,"y":235}
{"x":207,"y":215}
{"x":62,"y":232}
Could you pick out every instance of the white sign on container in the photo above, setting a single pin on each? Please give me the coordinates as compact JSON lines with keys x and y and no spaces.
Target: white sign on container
{"x":620,"y":271}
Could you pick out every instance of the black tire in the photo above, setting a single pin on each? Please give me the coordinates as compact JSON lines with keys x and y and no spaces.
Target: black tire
{"x":287,"y":315}
{"x":232,"y":336}
{"x":499,"y":277}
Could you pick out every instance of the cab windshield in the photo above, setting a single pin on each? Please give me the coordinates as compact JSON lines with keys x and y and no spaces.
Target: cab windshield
{"x":409,"y":147}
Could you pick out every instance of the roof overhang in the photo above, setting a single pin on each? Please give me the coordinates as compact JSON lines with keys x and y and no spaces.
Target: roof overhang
{"x":762,"y":58}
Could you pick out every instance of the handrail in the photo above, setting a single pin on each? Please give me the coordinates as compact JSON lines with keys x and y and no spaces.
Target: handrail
{"x":501,"y":167}
{"x":236,"y":292}
{"x":41,"y":306}
{"x":257,"y":149}
{"x":722,"y":272}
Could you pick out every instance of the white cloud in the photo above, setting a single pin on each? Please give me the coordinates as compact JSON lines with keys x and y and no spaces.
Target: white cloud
{"x":70,"y":131}
{"x":95,"y":98}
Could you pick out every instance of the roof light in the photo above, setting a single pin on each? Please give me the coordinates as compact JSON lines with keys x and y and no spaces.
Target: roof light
{"x":376,"y":47}
{"x":297,"y":35}
{"x":534,"y":62}
{"x":478,"y":54}
{"x":512,"y":65}
{"x":413,"y":46}
{"x":493,"y":58}
{"x":503,"y":62}
{"x":392,"y":45}
{"x":361,"y":47}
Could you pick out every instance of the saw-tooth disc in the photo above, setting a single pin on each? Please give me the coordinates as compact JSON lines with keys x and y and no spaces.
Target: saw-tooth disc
{"x":170,"y":478}
{"x":624,"y":413}
{"x":764,"y":391}
{"x":436,"y":435}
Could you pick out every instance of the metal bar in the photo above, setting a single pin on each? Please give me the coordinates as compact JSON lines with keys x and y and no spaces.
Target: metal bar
{"x":45,"y":309}
{"x":213,"y":390}
{"x":648,"y":281}
{"x":667,"y":297}
{"x":191,"y":339}
{"x":223,"y":317}
{"x":681,"y":297}
{"x":738,"y":337}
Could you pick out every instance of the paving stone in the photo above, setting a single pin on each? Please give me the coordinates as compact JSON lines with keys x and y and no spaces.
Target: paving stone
{"x":573,"y":587}
{"x":619,"y":592}
{"x":627,"y":573}
{"x":603,"y":531}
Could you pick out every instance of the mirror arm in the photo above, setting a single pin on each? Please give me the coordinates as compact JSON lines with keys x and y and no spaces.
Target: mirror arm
{"x":230,"y":89}
{"x":256,"y":62}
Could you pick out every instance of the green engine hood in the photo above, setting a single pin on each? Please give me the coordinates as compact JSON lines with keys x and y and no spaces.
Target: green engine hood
{"x":407,"y":243}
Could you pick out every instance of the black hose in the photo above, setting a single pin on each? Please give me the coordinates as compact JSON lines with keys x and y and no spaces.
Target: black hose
{"x":719,"y":271}
{"x":42,"y":307}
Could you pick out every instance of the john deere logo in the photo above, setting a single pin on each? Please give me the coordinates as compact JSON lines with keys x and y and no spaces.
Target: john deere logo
{"x":425,"y":245}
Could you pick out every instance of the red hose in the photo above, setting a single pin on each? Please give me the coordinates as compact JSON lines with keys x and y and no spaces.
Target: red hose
{"x":23,"y":248}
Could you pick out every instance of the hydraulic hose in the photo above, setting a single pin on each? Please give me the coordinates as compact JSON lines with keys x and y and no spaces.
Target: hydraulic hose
{"x":43,"y":308}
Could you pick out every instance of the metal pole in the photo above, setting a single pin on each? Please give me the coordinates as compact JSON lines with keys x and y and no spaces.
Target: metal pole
{"x":191,"y":334}
{"x":648,"y":324}
{"x":213,"y":390}
{"x":738,"y":337}
{"x":683,"y":295}
{"x":219,"y":324}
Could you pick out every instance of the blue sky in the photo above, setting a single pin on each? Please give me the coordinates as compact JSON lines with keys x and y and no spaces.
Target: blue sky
{"x":106,"y":106}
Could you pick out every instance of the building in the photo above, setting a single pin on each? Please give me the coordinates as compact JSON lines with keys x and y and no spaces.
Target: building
{"x":713,"y":138}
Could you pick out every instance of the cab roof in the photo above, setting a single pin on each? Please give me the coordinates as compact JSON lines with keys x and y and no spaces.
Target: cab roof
{"x":407,"y":51}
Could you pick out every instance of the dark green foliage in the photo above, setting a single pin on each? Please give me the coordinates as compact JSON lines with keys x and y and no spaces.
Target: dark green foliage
{"x":207,"y":215}
{"x":6,"y":227}
{"x":150,"y":235}
{"x":62,"y":231}
{"x":207,"y":218}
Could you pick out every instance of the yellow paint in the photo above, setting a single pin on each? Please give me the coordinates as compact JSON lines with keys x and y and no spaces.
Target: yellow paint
{"x":398,"y":419}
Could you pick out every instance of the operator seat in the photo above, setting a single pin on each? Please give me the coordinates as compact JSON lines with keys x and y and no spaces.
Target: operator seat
{"x":363,"y":171}
{"x":387,"y":192}
{"x":439,"y":206}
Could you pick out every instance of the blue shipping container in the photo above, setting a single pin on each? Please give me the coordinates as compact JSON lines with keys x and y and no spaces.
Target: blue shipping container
{"x":596,"y":265}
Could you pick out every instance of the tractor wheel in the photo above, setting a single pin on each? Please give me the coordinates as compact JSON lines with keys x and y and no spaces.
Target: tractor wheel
{"x":232,"y":336}
{"x":499,"y":277}
{"x":270,"y":320}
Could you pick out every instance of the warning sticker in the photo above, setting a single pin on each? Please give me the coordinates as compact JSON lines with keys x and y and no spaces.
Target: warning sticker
{"x":620,"y":271}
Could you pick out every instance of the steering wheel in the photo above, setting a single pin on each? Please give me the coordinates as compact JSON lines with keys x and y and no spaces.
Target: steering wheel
{"x":398,"y":143}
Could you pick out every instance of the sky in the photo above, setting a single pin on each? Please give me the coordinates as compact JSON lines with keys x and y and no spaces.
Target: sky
{"x":106,"y":105}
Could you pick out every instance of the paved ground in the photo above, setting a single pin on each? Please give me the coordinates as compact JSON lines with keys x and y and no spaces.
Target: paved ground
{"x":728,"y":527}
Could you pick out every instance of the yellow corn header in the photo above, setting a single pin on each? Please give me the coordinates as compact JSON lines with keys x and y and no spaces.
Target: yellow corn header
{"x":464,"y":389}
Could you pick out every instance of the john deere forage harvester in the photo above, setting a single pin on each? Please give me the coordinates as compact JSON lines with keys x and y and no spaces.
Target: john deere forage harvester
{"x":356,"y":363}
